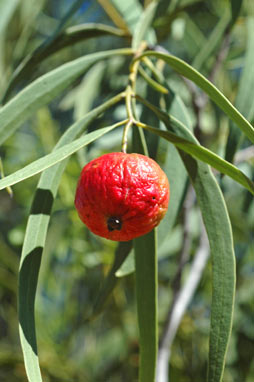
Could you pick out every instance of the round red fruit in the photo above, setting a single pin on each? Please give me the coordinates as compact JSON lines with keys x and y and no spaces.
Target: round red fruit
{"x":122,"y":196}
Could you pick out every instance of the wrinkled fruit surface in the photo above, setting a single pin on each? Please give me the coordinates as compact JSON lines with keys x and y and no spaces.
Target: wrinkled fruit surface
{"x":122,"y":196}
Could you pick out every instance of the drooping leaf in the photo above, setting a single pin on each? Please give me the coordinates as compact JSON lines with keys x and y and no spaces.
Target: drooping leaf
{"x":145,"y":252}
{"x":218,"y":227}
{"x":34,"y":243}
{"x":193,"y":148}
{"x":219,"y":233}
{"x":45,"y":89}
{"x":147,"y":304}
{"x":199,"y":151}
{"x":56,"y":156}
{"x":224,"y":104}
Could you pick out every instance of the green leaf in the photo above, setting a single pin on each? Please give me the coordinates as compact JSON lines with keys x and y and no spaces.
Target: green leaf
{"x":147,"y":303}
{"x":244,"y":99}
{"x":34,"y":243}
{"x":145,"y":248}
{"x":224,"y":104}
{"x":69,"y":37}
{"x":219,"y":233}
{"x":45,"y":89}
{"x":28,"y":276}
{"x":192,"y":147}
{"x":56,"y":156}
{"x":218,"y":227}
{"x":143,"y":25}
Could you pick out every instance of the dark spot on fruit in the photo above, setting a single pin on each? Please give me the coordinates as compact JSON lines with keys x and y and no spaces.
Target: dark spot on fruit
{"x":153,"y":197}
{"x":114,"y":223}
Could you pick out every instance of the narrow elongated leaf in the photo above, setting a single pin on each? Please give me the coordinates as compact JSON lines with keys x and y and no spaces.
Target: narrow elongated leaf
{"x":56,"y":156}
{"x":224,"y":104}
{"x":219,"y":233}
{"x":144,"y":24}
{"x":244,"y":99}
{"x":69,"y":37}
{"x":147,"y":304}
{"x":218,"y":227}
{"x":145,"y":251}
{"x":192,"y":147}
{"x":45,"y":89}
{"x":199,"y":152}
{"x":34,"y":242}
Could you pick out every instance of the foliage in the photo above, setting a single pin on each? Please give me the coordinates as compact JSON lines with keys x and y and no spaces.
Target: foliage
{"x":155,"y":77}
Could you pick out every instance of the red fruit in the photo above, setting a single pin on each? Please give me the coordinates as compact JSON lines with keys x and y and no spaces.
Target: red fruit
{"x":122,"y":196}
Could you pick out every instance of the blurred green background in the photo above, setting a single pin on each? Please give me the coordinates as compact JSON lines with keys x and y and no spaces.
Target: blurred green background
{"x":75,"y":262}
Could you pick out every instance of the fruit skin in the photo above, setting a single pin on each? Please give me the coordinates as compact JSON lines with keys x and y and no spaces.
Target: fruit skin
{"x":122,"y":196}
